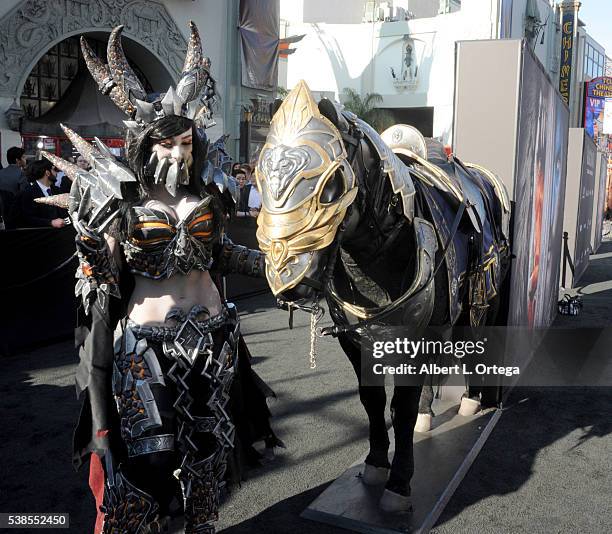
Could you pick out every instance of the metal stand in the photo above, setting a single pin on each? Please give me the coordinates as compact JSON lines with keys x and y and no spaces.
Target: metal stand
{"x":442,"y":457}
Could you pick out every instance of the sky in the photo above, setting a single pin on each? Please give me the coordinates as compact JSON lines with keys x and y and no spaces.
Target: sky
{"x":597,"y":15}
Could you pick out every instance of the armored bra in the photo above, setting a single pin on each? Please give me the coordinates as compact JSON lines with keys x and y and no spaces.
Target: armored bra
{"x":157,"y":245}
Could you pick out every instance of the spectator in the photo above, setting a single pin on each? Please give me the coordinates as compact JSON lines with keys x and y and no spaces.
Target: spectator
{"x":62,"y":181}
{"x":254,"y":199}
{"x":235,"y":169}
{"x":12,"y":178}
{"x":9,"y":210}
{"x":82,"y":162}
{"x":242,"y":209}
{"x":246,"y":168}
{"x":42,"y":176}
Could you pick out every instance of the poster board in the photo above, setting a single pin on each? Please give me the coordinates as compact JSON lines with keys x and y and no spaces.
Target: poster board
{"x":599,"y":200}
{"x":578,"y":215}
{"x":518,"y":129}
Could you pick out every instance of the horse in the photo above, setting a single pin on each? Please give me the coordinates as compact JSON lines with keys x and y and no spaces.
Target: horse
{"x":390,"y":231}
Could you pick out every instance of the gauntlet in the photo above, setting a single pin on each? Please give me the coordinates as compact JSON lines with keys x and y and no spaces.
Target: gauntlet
{"x":236,"y":259}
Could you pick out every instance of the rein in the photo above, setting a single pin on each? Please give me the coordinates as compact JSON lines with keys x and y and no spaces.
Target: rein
{"x":315,"y":310}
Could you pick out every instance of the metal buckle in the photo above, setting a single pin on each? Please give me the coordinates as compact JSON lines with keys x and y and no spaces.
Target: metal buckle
{"x":190,"y":341}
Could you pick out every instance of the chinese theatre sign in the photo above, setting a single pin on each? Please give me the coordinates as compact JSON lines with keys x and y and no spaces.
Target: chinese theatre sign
{"x":568,"y":22}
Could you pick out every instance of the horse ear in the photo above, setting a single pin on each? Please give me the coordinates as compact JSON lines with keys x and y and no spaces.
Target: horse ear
{"x":331,"y":112}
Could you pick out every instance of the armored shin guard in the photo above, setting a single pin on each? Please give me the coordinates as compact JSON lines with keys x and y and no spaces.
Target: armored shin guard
{"x":127,"y":509}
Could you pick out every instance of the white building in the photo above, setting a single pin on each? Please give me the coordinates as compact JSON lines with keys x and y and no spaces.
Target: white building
{"x":404,"y":50}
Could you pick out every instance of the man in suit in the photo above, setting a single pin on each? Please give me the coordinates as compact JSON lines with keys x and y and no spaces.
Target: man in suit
{"x":242,"y":207}
{"x":42,"y":178}
{"x":12,"y":178}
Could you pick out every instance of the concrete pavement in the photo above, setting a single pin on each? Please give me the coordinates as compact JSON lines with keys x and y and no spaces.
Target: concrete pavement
{"x":546,"y":467}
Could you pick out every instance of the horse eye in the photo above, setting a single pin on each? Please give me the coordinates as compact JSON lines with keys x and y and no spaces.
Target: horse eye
{"x":333,"y":189}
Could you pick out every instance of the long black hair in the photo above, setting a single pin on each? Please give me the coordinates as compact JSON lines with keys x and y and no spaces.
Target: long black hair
{"x":138,"y":150}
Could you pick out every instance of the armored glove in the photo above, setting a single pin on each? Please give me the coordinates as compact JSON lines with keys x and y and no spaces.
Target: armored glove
{"x":236,"y":259}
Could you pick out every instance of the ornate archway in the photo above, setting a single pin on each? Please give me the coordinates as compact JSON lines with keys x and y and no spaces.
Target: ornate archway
{"x":34,"y":26}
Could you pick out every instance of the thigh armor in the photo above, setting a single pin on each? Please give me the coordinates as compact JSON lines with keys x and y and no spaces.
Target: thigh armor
{"x":171,"y":386}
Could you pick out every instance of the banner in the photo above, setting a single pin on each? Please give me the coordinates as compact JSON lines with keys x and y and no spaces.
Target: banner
{"x":259,"y":33}
{"x":539,"y":195}
{"x":567,"y":49}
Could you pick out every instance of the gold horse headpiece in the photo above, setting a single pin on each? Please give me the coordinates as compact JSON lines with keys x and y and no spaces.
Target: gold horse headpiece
{"x":306,"y":185}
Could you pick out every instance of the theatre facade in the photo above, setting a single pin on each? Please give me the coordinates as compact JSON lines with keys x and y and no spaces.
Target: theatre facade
{"x":44,"y":81}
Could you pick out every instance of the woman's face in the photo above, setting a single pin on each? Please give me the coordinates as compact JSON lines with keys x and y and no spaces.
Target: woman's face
{"x":178,"y":148}
{"x":82,"y":163}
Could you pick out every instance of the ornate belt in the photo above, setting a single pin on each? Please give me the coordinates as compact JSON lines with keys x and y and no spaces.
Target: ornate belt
{"x":170,"y":333}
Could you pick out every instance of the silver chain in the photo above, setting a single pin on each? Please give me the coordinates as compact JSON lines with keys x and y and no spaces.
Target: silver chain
{"x":315,"y":316}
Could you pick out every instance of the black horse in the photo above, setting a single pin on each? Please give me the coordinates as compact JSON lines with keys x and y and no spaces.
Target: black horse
{"x":390,"y":232}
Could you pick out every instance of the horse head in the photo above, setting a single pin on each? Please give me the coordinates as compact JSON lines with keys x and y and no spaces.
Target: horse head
{"x":306,"y":185}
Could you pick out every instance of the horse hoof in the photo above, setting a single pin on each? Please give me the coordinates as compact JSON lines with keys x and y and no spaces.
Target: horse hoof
{"x":423,"y":423}
{"x":469,"y":406}
{"x":374,"y":476}
{"x":394,"y":502}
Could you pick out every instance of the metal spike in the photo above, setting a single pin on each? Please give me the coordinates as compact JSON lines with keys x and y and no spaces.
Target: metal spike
{"x":61,"y":200}
{"x":183,"y":175}
{"x":104,"y":150}
{"x":82,"y":146}
{"x":144,"y":110}
{"x":193,"y":58}
{"x":171,"y":103}
{"x":152,"y":163}
{"x":171,"y":178}
{"x":120,"y":69}
{"x":85,"y":203}
{"x":96,"y":214}
{"x":102,"y":75}
{"x":99,"y":71}
{"x":71,"y":170}
{"x":161,"y":170}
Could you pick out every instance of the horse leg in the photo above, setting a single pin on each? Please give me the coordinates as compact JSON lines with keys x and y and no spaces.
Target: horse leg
{"x":425,"y":415}
{"x":404,"y":409}
{"x":374,"y":400}
{"x":476,"y":394}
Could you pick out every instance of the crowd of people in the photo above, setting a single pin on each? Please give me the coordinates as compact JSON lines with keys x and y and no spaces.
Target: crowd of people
{"x":21,"y":182}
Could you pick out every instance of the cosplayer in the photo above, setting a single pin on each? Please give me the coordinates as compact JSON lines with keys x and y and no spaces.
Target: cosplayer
{"x":171,"y":403}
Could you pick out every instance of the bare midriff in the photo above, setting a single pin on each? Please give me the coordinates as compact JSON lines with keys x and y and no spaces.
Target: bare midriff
{"x":151,"y":300}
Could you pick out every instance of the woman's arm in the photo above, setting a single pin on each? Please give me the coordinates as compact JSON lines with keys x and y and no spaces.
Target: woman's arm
{"x":99,"y":262}
{"x":236,"y":259}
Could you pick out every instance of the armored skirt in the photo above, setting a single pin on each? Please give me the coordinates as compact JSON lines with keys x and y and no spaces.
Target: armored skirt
{"x":170,"y":419}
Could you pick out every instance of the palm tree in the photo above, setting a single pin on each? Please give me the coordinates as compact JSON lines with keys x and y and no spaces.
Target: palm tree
{"x":365,"y":108}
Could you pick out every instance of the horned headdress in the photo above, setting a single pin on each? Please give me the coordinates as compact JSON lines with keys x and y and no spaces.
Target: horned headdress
{"x":120,"y":83}
{"x":118,"y":80}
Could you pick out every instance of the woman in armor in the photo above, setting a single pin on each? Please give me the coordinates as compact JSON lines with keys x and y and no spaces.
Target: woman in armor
{"x":170,"y":398}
